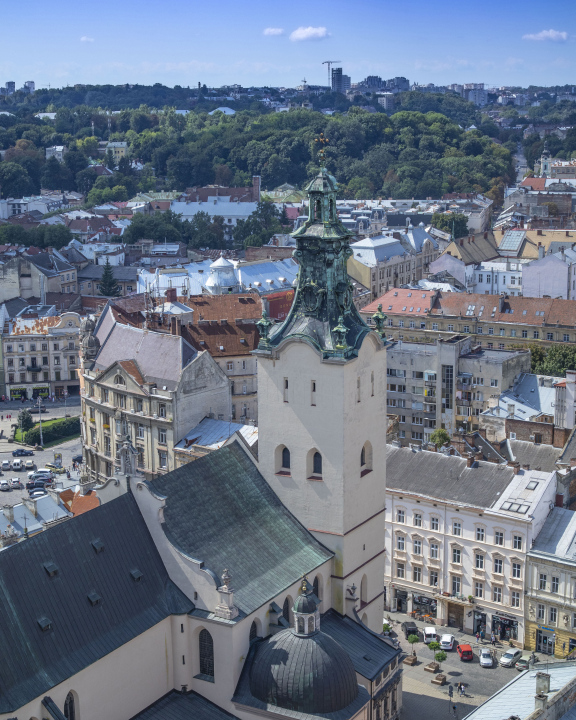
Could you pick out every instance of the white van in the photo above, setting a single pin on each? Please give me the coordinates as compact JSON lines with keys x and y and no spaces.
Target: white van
{"x":430,"y":635}
{"x":17,"y":464}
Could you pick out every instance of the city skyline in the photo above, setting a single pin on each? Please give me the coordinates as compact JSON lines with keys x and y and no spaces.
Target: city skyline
{"x":257,"y":44}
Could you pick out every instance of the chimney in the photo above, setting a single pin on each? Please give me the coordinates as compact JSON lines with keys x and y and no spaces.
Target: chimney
{"x":572,"y":462}
{"x":479,"y":455}
{"x":9,"y":513}
{"x":461,"y":242}
{"x":485,"y":236}
{"x":542,"y":683}
{"x":470,"y":460}
{"x":502,"y":231}
{"x":541,"y":251}
{"x":538,"y":232}
{"x":516,"y":468}
{"x":526,"y":467}
{"x":567,"y":233}
{"x":171,"y":294}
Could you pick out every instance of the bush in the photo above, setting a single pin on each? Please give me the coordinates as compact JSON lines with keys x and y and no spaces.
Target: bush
{"x":56,"y":430}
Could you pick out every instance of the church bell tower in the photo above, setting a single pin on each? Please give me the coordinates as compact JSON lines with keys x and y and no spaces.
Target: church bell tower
{"x":322,"y":411}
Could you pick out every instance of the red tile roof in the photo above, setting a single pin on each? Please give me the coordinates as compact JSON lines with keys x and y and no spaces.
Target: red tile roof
{"x":534,"y":183}
{"x":415,"y":303}
{"x":222,"y":340}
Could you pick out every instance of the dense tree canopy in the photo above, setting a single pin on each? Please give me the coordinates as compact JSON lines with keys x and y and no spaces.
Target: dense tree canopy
{"x":456,"y":224}
{"x":553,"y":360}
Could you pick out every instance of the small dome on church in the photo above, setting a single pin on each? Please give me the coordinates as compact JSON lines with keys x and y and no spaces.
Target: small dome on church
{"x":222,"y":263}
{"x":87,"y":326}
{"x":305,"y":603}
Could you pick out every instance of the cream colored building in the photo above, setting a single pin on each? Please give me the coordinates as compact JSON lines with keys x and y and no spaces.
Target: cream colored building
{"x":457,"y":536}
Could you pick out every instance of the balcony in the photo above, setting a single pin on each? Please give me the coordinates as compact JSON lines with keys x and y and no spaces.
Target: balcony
{"x":35,"y":368}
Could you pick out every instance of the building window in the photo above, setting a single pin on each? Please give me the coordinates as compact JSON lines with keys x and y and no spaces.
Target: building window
{"x":490,"y":331}
{"x":434,"y":547}
{"x":163,"y":459}
{"x":498,"y":565}
{"x":56,"y":346}
{"x":400,"y":542}
{"x":540,"y":612}
{"x":536,"y":334}
{"x":549,"y":336}
{"x":515,"y":599}
{"x":456,"y":555}
{"x":229,"y":366}
{"x":56,"y":361}
{"x":400,"y":570}
{"x":542,"y":581}
{"x":524,"y":333}
{"x":566,"y":337}
{"x":434,"y":326}
{"x":498,"y":537}
{"x":417,"y":574}
{"x":434,"y":523}
{"x":456,"y":585}
{"x":466,"y":328}
{"x":493,"y":382}
{"x":400,"y":516}
{"x":516,"y":570}
{"x":162,"y":410}
{"x":480,"y":534}
{"x":478,"y":589}
{"x":317,"y":464}
{"x":162,"y":436}
{"x":69,"y":707}
{"x":286,"y":390}
{"x":517,"y":542}
{"x":480,"y":561}
{"x":433,"y":576}
{"x":497,"y":594}
{"x":512,"y":333}
{"x":456,"y":528}
{"x":417,"y":520}
{"x":552,"y":615}
{"x":450,"y":328}
{"x":206,"y":647}
{"x":285,"y":459}
{"x":554,"y":584}
{"x":417,"y":547}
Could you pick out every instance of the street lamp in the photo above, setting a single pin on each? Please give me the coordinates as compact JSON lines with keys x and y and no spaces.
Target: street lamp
{"x":39,"y":405}
{"x":65,"y":396}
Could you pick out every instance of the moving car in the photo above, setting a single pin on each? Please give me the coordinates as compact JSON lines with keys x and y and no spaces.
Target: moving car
{"x":37,"y":411}
{"x":486,"y":659}
{"x":409,"y":628}
{"x":4,"y":485}
{"x":55,"y":468}
{"x":6,"y":465}
{"x":20,"y":452}
{"x":465,"y":652}
{"x":510,"y":657}
{"x":525,"y":660}
{"x":447,"y":642}
{"x":15,"y":484}
{"x":430,"y":635}
{"x":17,"y":464}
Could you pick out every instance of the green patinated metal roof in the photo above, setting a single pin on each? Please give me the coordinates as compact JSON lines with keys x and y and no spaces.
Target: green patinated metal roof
{"x":53,"y":580}
{"x":323,"y":312}
{"x":220,"y":510}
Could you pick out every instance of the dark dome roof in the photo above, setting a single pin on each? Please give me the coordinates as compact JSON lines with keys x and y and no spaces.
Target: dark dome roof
{"x":305,"y":604}
{"x":310,"y":674}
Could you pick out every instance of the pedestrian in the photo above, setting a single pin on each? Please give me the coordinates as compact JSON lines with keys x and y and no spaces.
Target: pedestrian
{"x":454,"y":709}
{"x":462,"y":689}
{"x":482,"y":635}
{"x":493,"y":640}
{"x":477,"y":636}
{"x":68,"y":474}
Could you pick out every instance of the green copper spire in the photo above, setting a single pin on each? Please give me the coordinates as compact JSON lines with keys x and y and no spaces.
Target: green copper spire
{"x":323,"y":312}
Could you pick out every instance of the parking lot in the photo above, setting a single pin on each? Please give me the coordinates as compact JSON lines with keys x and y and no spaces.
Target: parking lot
{"x":422,"y":698}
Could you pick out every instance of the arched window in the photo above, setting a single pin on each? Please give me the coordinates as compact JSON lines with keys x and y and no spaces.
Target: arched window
{"x":253,"y":631}
{"x":286,"y":458}
{"x":366,"y":459}
{"x":286,"y":610}
{"x":331,"y":209}
{"x":119,"y":380}
{"x":206,"y":646}
{"x":316,"y":587}
{"x":301,"y":625}
{"x":311,"y":624}
{"x":318,"y":209}
{"x":363,"y":590}
{"x":363,"y":457}
{"x":317,"y":464}
{"x":69,"y":707}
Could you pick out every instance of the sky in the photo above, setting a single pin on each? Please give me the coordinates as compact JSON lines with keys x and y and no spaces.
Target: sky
{"x":504,"y":42}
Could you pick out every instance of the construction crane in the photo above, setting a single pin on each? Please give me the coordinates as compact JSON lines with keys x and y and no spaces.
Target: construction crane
{"x":330,"y":63}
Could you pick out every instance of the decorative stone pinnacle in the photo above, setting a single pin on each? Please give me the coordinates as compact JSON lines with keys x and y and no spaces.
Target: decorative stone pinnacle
{"x":226,"y":579}
{"x":264,"y":325}
{"x":379,"y":320}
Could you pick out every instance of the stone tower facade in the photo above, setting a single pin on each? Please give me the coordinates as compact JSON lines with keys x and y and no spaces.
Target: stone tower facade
{"x":322,"y":411}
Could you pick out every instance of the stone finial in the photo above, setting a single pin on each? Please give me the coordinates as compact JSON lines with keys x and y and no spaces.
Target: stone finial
{"x":379,"y":319}
{"x":226,"y":580}
{"x":264,"y":325}
{"x":226,"y":608}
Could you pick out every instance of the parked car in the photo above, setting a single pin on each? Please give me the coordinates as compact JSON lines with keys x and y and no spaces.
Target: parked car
{"x":409,"y":628}
{"x":30,"y":465}
{"x":20,"y":452}
{"x":4,"y":485}
{"x":56,"y":469}
{"x":77,"y":458}
{"x":17,"y":464}
{"x":42,"y":471}
{"x":37,"y":493}
{"x":510,"y":657}
{"x":36,"y":411}
{"x":6,"y":465}
{"x":15,"y":484}
{"x":447,"y":642}
{"x":486,"y":659}
{"x":465,"y":652}
{"x":525,"y":660}
{"x":430,"y":635}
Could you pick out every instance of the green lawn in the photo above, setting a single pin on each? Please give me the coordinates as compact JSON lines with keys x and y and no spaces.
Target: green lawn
{"x":46,"y":424}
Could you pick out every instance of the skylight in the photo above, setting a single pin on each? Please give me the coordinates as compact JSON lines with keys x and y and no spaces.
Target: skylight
{"x":532,"y":485}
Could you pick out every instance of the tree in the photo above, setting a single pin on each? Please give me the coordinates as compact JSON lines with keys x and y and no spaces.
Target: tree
{"x":456,"y":224}
{"x":25,"y":420}
{"x":108,"y":285}
{"x":553,"y":360}
{"x":413,"y":639}
{"x":434,"y":646}
{"x":440,"y":656}
{"x":14,"y":180}
{"x":440,"y":437}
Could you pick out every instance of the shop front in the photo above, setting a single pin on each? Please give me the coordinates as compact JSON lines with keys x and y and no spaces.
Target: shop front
{"x":18,"y":393}
{"x":545,"y":640}
{"x":40,"y":391}
{"x":424,"y":605}
{"x":505,"y":627}
{"x":479,"y":624}
{"x":455,"y":615}
{"x":400,"y":600}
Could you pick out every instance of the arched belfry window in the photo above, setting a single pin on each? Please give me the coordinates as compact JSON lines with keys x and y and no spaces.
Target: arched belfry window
{"x":253,"y":631}
{"x":206,"y":647}
{"x":286,"y":458}
{"x":331,"y":209}
{"x":317,"y":464}
{"x":286,"y":610}
{"x":300,"y":628}
{"x":70,"y":707}
{"x":318,"y":209}
{"x":316,"y":587}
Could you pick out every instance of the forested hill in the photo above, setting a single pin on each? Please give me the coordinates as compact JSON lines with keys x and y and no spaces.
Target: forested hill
{"x":409,"y":154}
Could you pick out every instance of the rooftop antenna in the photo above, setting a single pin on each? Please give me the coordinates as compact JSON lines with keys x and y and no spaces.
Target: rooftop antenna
{"x":329,"y":63}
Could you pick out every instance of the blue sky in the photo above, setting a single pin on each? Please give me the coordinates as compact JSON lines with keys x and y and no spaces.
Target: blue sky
{"x":500,"y":43}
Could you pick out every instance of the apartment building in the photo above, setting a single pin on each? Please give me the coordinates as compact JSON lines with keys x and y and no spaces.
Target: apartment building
{"x":551,"y":588}
{"x":41,"y":355}
{"x":495,"y":321}
{"x":144,"y":388}
{"x":457,"y":536}
{"x":392,"y":259}
{"x":446,"y":384}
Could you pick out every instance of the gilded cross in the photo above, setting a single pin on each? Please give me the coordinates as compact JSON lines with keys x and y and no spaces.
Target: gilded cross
{"x":322,"y":142}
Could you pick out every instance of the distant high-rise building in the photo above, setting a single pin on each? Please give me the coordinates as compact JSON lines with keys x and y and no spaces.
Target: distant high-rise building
{"x":398,"y":84}
{"x":387,"y":101}
{"x":374,"y":81}
{"x":10,"y":88}
{"x":340,"y":82}
{"x":30,"y":86}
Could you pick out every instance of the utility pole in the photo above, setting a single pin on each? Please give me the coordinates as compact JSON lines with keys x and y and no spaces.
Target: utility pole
{"x":330,"y":63}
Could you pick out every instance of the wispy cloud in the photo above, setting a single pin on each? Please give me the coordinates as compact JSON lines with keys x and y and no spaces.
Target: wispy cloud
{"x":85,"y":38}
{"x":273,"y":31}
{"x":309,"y":33}
{"x":545,"y":35}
